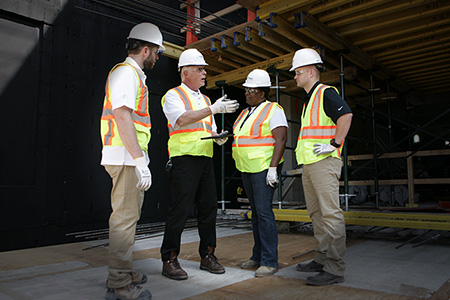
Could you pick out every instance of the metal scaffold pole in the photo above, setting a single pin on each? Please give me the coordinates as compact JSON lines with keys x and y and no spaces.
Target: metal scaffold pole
{"x":344,"y":148}
{"x":374,"y":137}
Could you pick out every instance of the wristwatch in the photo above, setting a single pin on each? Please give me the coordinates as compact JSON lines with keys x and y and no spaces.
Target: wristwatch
{"x":334,"y":144}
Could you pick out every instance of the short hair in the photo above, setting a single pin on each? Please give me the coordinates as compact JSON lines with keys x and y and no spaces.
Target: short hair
{"x":135,"y":46}
{"x":265,"y":90}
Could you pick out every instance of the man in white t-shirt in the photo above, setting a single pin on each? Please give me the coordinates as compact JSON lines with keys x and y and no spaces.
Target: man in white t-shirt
{"x":125,"y":133}
{"x":190,"y":120}
{"x":260,"y":134}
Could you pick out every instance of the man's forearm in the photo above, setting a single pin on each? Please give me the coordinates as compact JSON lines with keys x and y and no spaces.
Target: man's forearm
{"x":127,"y":132}
{"x":192,"y":116}
{"x":342,"y":127}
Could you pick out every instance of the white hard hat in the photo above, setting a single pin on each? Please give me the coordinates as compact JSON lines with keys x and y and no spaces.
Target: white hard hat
{"x":305,"y":57}
{"x":257,"y":78}
{"x":191,"y":57}
{"x":147,"y":32}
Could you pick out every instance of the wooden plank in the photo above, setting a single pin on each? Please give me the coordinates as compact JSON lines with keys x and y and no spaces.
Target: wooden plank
{"x":204,"y":44}
{"x":240,"y":39}
{"x":403,"y":49}
{"x":403,"y":31}
{"x":238,"y":75}
{"x":270,"y":35}
{"x":251,"y":36}
{"x":227,"y":45}
{"x":172,"y":50}
{"x":287,"y":29}
{"x":361,"y":10}
{"x":393,"y":19}
{"x":401,"y":220}
{"x":401,"y":154}
{"x":442,"y":30}
{"x":279,"y":7}
{"x":216,"y":47}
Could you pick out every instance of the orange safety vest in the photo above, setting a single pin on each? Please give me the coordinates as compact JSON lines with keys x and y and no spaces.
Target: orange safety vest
{"x":316,"y":127}
{"x":186,"y":140}
{"x":253,"y":145}
{"x":140,"y":115}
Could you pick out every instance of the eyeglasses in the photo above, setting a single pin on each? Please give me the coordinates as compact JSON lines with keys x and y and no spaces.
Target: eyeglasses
{"x":199,"y":69}
{"x":300,"y":72}
{"x":251,"y":90}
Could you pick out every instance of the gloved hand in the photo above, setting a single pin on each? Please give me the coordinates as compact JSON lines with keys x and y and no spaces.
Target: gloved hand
{"x":143,"y":174}
{"x":221,"y":141}
{"x":272,"y":177}
{"x":223,"y":105}
{"x":323,"y":149}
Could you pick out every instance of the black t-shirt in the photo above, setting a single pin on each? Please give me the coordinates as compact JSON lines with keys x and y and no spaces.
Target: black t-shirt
{"x":333,"y":105}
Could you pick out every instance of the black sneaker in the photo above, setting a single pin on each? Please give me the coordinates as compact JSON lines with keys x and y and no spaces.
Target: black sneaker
{"x":312,"y":266}
{"x":324,"y":278}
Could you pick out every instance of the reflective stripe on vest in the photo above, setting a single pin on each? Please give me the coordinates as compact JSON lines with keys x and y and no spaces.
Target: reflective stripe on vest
{"x":316,"y":127}
{"x":140,"y":116}
{"x":253,"y":143}
{"x":186,"y":140}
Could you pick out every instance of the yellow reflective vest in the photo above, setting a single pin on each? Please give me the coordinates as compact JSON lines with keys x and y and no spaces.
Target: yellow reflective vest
{"x":186,"y":140}
{"x":253,"y":144}
{"x":316,"y":127}
{"x":140,"y":115}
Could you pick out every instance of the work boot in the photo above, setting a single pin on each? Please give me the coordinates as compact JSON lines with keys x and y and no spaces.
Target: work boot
{"x":324,"y":278}
{"x":172,"y":268}
{"x":211,"y":263}
{"x":312,"y":266}
{"x":264,"y":271}
{"x":136,"y":278}
{"x":250,"y":264}
{"x":128,"y":292}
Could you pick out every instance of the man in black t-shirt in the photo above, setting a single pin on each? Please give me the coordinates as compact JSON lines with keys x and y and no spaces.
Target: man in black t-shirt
{"x":325,"y":122}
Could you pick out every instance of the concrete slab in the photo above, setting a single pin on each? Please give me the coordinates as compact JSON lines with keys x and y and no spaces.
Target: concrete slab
{"x":90,"y":283}
{"x":377,"y":265}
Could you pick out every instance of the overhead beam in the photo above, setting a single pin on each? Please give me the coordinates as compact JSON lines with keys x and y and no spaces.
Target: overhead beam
{"x":239,"y":41}
{"x":279,"y":7}
{"x":172,"y":50}
{"x":328,"y":37}
{"x":238,"y":75}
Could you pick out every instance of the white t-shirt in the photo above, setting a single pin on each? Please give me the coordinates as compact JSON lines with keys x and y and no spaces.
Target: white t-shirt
{"x":174,"y":106}
{"x":278,"y":118}
{"x":124,"y":86}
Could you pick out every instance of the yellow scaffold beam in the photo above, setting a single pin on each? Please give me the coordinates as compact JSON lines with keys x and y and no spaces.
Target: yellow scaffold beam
{"x":401,"y":220}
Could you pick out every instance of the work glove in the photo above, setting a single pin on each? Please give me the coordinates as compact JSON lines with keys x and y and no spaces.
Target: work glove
{"x":323,"y":149}
{"x":143,"y":174}
{"x":221,"y":141}
{"x":224,"y":105}
{"x":272,"y":177}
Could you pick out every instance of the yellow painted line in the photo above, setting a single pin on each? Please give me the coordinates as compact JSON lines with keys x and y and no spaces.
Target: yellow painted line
{"x":402,"y":220}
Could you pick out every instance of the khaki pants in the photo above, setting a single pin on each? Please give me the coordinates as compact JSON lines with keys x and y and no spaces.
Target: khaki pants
{"x":126,"y":203}
{"x":321,"y":187}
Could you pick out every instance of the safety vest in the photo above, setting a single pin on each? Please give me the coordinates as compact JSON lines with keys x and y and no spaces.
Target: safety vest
{"x":316,"y":127}
{"x":186,"y":140}
{"x":140,"y":115}
{"x":253,"y":144}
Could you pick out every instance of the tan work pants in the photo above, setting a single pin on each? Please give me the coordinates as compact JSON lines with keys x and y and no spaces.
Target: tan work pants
{"x":126,"y":203}
{"x":321,"y":187}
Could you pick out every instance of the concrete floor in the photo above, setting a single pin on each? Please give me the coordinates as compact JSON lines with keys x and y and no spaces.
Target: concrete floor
{"x":375,"y":270}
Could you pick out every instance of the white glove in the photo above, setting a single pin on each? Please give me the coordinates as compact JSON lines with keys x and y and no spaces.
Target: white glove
{"x":143,"y":174}
{"x":272,"y":177}
{"x":223,"y":105}
{"x":323,"y":149}
{"x":221,"y":141}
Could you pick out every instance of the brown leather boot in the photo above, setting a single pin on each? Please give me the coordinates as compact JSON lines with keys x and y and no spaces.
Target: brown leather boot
{"x":211,"y":263}
{"x":172,"y":268}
